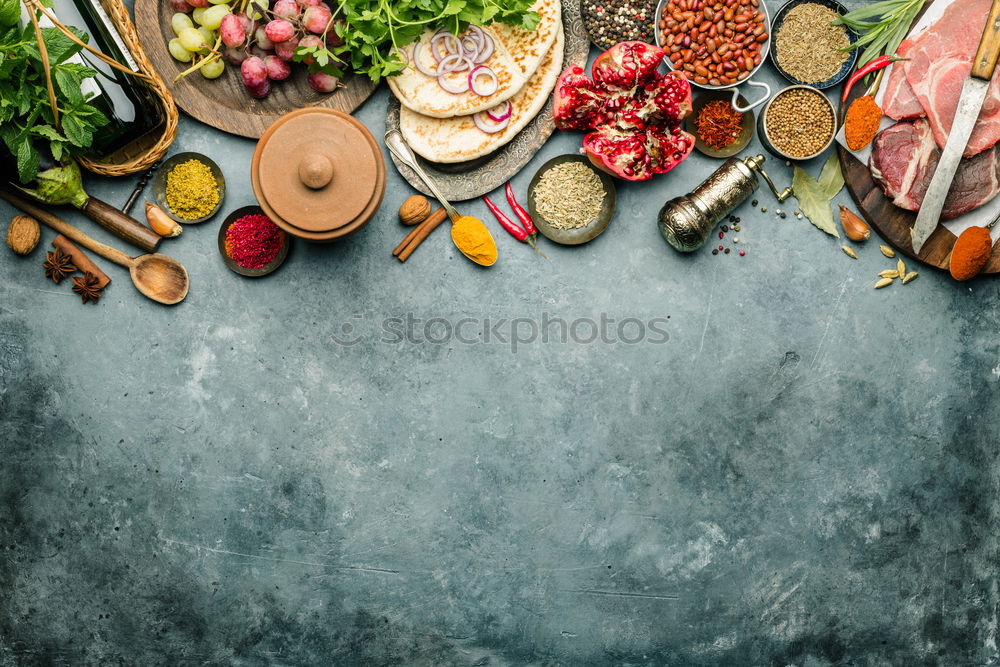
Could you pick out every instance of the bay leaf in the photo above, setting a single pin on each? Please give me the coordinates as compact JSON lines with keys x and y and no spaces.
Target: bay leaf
{"x":831,"y":178}
{"x":814,"y":202}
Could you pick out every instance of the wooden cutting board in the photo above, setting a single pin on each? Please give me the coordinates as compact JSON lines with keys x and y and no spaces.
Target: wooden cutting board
{"x":224,"y":103}
{"x":891,"y":222}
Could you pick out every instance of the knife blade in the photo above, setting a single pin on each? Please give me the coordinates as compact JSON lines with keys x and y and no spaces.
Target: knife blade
{"x":974,"y":92}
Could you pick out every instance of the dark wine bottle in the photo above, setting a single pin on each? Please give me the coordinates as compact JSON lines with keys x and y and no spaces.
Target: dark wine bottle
{"x":129,"y":105}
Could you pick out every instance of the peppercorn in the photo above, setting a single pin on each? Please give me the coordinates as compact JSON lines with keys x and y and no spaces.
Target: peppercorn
{"x":754,"y":203}
{"x":625,"y":20}
{"x":726,"y":251}
{"x":715,"y":251}
{"x":742,"y":252}
{"x":725,"y":228}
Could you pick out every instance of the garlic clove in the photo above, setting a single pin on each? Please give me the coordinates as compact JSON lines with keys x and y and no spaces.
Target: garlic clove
{"x":160,"y":222}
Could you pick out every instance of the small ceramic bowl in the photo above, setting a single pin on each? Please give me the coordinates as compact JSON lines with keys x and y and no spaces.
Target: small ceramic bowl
{"x":845,"y":69}
{"x":160,"y":184}
{"x":286,"y":244}
{"x":746,"y":129}
{"x":766,"y":139}
{"x":589,"y":231}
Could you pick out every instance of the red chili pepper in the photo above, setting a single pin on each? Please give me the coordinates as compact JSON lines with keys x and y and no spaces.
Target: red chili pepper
{"x":522,"y":215}
{"x":875,"y":65}
{"x":505,"y":222}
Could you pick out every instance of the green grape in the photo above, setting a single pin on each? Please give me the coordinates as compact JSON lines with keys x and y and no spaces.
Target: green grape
{"x":209,"y":38}
{"x":198,"y":13}
{"x":178,"y":51}
{"x":191,"y":39}
{"x":214,"y":69}
{"x":212,"y":18}
{"x":218,"y":2}
{"x":179,"y":22}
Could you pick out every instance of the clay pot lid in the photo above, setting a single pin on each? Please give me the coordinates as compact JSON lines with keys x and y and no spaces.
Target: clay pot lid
{"x":318,"y":173}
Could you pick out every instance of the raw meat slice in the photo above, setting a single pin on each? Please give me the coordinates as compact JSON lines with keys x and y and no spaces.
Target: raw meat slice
{"x":903,"y":160}
{"x":941,"y":61}
{"x":900,"y":101}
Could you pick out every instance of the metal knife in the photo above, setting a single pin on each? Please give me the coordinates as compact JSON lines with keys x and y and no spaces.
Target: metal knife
{"x":974,"y":93}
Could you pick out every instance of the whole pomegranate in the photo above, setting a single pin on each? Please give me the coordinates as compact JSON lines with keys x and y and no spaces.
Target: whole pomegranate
{"x":633,"y":113}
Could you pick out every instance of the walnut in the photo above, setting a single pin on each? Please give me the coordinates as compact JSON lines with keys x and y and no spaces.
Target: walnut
{"x":23,"y":234}
{"x":414,"y":210}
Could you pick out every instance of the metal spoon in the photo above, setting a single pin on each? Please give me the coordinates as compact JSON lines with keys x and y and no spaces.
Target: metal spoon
{"x":158,"y":277}
{"x":397,"y":146}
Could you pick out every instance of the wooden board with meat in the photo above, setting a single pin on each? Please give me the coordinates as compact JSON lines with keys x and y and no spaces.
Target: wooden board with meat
{"x":920,"y":95}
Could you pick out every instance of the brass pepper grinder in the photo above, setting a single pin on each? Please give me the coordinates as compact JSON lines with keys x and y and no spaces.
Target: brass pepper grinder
{"x":686,"y":222}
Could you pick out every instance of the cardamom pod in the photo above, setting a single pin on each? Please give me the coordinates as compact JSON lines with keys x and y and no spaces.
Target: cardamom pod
{"x":889,"y":273}
{"x":900,"y":267}
{"x":885,"y":282}
{"x":849,"y":251}
{"x":910,"y":276}
{"x":887,"y":251}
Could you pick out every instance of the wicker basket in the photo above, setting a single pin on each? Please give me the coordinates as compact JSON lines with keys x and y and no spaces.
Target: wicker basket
{"x":144,"y":152}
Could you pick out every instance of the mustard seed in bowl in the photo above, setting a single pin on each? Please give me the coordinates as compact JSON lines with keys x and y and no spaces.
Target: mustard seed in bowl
{"x":799,"y":122}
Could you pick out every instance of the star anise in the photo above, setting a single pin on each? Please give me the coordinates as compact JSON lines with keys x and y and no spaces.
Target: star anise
{"x":88,"y":287}
{"x":58,"y":265}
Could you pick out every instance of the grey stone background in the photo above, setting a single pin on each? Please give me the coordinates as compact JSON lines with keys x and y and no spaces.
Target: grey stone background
{"x":805,"y":473}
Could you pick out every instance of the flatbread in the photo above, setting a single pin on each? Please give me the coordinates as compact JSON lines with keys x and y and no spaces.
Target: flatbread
{"x":450,"y":140}
{"x":532,"y":45}
{"x":517,"y":55}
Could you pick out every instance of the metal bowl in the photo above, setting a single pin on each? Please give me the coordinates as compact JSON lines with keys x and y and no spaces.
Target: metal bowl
{"x":845,"y":69}
{"x":589,"y":231}
{"x":746,"y":129}
{"x":765,"y":48}
{"x":160,"y":184}
{"x":766,"y":139}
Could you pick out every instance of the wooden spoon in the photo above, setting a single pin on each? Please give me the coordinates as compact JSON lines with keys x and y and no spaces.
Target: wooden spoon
{"x":159,"y":277}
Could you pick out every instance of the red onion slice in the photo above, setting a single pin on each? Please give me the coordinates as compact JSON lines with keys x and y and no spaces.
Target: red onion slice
{"x":486,"y":51}
{"x":500,"y":116}
{"x":474,"y":75}
{"x":489,"y":126}
{"x":451,"y":44}
{"x":422,"y":68}
{"x":455,"y":87}
{"x":454,"y":63}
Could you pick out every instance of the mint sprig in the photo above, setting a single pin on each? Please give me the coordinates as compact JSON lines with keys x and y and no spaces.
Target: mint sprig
{"x":26,"y":117}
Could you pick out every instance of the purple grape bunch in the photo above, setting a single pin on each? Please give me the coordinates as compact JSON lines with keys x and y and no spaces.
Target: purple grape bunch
{"x":264,"y":43}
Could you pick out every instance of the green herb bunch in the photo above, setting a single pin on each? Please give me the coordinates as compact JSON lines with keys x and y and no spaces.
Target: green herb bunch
{"x":374,"y":30}
{"x":882,"y":26}
{"x":26,"y":117}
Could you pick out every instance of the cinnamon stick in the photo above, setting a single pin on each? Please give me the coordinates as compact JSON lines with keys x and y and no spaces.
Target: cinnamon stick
{"x":80,"y":260}
{"x":423,"y":231}
{"x":409,"y":237}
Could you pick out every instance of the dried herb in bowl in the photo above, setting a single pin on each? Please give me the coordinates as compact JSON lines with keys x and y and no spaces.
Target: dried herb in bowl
{"x":569,"y":195}
{"x":809,"y":45}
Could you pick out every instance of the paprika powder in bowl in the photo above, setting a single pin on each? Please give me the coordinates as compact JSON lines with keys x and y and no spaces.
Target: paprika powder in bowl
{"x":251,"y":244}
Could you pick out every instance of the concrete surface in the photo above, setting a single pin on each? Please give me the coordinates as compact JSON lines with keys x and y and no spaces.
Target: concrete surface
{"x":800,"y":470}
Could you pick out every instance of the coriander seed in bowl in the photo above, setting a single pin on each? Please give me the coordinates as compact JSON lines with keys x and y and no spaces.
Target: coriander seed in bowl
{"x":798,"y":123}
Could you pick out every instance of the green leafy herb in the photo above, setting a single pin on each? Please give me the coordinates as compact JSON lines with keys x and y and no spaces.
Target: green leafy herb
{"x":372,"y":31}
{"x":882,"y":26}
{"x":815,"y":196}
{"x":26,"y":118}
